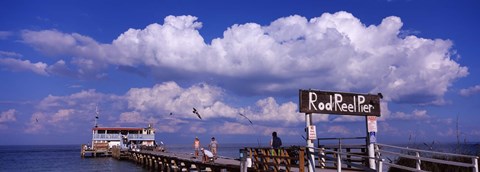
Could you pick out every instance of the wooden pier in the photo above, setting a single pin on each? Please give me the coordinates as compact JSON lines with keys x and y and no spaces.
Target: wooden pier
{"x":100,"y":151}
{"x":166,"y":161}
{"x":291,"y":159}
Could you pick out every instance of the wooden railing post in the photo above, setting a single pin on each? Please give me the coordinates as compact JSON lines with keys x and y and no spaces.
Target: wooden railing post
{"x":349,"y":158}
{"x":301,"y":160}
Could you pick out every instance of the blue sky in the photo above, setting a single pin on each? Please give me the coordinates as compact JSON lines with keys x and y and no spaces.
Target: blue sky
{"x":139,"y":62}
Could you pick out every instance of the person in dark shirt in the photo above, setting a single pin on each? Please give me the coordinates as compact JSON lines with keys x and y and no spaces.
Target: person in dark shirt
{"x":276,"y":142}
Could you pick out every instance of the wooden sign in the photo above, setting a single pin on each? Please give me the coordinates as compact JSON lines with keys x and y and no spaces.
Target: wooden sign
{"x":313,"y":101}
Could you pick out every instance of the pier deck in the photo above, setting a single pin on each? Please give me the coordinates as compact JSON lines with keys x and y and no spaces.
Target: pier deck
{"x":190,"y":158}
{"x":162,"y":161}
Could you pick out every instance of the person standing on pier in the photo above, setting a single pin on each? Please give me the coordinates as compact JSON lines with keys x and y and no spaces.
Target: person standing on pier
{"x":196,"y":146}
{"x":213,"y":147}
{"x":276,"y":142}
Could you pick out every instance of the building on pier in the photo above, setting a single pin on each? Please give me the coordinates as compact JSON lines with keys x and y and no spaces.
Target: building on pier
{"x":124,"y":137}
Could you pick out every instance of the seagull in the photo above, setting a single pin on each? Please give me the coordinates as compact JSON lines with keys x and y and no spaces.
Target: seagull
{"x":245,"y":118}
{"x":171,"y":113}
{"x":36,"y":119}
{"x":380,"y":95}
{"x":196,"y":112}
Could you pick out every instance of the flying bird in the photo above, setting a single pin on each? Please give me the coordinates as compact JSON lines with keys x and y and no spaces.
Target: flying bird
{"x":429,"y":146}
{"x":171,"y":113}
{"x":246,"y":118}
{"x":36,"y":119}
{"x":380,"y":95}
{"x":196,"y":112}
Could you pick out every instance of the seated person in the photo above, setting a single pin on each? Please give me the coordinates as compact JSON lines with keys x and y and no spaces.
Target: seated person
{"x":207,"y":156}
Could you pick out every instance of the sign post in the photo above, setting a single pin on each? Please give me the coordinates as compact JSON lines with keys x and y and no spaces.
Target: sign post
{"x":372,"y":139}
{"x":325,"y":102}
{"x":310,"y":150}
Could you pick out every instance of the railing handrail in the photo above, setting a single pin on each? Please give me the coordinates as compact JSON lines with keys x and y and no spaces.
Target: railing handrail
{"x":381,"y":161}
{"x":461,"y":164}
{"x":346,"y":153}
{"x":426,"y":151}
{"x":342,"y":138}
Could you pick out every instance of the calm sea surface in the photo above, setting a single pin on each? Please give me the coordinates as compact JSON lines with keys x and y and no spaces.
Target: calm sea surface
{"x":67,"y":158}
{"x":57,"y":158}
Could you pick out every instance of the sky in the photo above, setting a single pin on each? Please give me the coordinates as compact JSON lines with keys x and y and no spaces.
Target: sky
{"x":152,"y":62}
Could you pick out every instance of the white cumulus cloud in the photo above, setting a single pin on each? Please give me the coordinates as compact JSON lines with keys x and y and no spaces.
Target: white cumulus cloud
{"x":414,"y":115}
{"x":9,"y":54}
{"x":8,"y":116}
{"x":470,"y":91}
{"x":61,"y":116}
{"x":334,"y":51}
{"x":169,"y":97}
{"x":168,"y":107}
{"x":24,"y":65}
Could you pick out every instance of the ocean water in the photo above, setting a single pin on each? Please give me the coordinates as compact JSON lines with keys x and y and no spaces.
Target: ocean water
{"x":57,"y":158}
{"x":67,"y":158}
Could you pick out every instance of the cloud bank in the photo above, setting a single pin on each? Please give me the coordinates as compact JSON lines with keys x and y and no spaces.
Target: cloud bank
{"x":167,"y":105}
{"x":334,"y":52}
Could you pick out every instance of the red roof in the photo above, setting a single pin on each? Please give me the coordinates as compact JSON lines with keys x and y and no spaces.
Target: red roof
{"x":118,"y":128}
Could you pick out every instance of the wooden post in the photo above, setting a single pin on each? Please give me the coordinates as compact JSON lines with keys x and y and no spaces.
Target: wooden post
{"x":150,"y":162}
{"x":301,"y":160}
{"x":349,"y":158}
{"x":82,"y":152}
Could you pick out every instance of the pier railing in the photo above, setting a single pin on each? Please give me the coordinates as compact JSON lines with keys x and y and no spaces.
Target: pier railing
{"x":119,"y":136}
{"x":141,"y":137}
{"x":268,"y":159}
{"x":107,"y":136}
{"x":355,"y":152}
{"x":422,"y":156}
{"x":294,"y":159}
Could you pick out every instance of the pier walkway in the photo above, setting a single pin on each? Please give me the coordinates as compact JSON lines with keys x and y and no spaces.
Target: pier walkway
{"x":169,"y":161}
